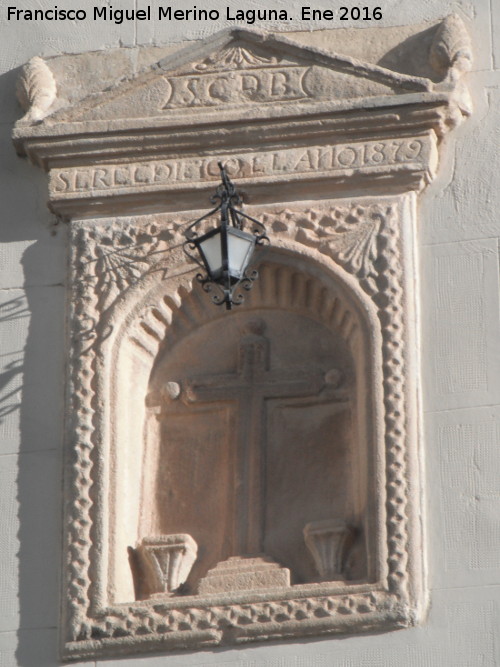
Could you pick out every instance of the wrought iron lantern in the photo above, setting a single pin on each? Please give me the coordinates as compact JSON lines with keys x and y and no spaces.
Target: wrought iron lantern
{"x":225,"y":251}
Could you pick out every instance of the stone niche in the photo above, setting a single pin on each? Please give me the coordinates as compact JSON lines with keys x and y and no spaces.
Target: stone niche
{"x":253,"y":474}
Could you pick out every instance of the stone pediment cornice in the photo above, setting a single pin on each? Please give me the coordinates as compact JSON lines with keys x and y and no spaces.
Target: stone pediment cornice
{"x":241,"y":92}
{"x":239,"y":68}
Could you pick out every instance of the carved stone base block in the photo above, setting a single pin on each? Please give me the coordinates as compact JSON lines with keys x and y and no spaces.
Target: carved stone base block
{"x":167,"y":561}
{"x":329,"y":541}
{"x":244,"y":574}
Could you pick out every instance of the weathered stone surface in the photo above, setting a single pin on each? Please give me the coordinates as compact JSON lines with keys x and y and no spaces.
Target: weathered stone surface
{"x":237,"y":431}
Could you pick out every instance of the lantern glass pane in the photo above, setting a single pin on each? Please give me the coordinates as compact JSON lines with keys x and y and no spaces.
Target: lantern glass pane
{"x":211,"y":249}
{"x":239,"y":249}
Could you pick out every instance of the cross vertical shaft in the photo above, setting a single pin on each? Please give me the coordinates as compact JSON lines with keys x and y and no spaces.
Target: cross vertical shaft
{"x":250,"y":387}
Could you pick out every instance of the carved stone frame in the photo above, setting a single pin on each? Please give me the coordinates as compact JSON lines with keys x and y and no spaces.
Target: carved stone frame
{"x":364,"y":235}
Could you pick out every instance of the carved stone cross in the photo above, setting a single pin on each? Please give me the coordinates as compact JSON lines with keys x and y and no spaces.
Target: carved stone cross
{"x":250,"y":387}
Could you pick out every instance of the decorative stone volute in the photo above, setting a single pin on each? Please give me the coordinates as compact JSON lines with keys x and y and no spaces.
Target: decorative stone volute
{"x":279,"y":442}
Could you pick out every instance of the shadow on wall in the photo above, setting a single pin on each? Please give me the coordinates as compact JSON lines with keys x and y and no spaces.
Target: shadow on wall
{"x":39,"y":475}
{"x":24,"y":215}
{"x":11,"y":310}
{"x":411,"y":56}
{"x":31,"y":393}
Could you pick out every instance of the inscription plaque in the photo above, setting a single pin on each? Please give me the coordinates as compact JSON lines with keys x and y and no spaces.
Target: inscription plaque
{"x":316,"y":159}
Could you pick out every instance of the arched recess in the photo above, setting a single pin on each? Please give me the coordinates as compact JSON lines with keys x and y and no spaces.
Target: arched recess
{"x":160,"y":335}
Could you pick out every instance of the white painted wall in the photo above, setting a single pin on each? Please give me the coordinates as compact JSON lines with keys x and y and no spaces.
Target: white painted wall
{"x":458,"y":237}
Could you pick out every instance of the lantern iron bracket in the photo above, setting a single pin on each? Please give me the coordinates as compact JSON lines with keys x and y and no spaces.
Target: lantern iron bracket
{"x":227,"y":282}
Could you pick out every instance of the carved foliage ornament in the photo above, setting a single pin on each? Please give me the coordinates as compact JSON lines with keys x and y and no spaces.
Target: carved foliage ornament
{"x":36,"y":89}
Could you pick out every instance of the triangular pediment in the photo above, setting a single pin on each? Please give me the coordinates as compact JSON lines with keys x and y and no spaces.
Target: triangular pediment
{"x":240,"y":69}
